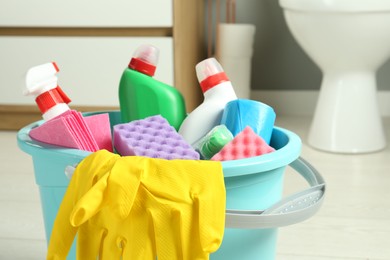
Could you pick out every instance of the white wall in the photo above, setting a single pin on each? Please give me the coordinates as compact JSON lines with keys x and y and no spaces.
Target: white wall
{"x":90,"y":67}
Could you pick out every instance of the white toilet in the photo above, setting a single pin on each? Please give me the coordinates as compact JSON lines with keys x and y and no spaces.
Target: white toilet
{"x":349,"y":40}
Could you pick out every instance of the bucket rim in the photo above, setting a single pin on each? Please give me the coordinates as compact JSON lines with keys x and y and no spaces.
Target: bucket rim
{"x":276,"y":159}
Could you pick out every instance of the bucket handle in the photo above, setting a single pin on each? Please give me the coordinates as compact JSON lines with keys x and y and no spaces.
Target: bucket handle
{"x":290,"y":210}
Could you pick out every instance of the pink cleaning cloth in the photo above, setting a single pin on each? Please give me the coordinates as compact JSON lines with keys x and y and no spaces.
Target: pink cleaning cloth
{"x":75,"y":130}
{"x":244,"y":145}
{"x":72,"y":121}
{"x":56,"y":132}
{"x":72,"y":130}
{"x":100,"y":127}
{"x":84,"y":131}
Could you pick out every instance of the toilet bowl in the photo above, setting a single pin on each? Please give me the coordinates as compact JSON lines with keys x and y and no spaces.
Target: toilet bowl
{"x":349,"y":40}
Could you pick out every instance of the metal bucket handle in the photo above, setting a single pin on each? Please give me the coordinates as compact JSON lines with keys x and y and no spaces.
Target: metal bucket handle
{"x":290,"y":210}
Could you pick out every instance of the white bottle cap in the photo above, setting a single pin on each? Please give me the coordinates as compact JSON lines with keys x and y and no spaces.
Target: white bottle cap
{"x":210,"y":73}
{"x":207,"y":68}
{"x":145,"y":59}
{"x":147,"y":53}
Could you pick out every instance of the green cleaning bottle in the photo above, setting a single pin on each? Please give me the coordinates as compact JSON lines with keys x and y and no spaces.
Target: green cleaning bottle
{"x":141,"y":96}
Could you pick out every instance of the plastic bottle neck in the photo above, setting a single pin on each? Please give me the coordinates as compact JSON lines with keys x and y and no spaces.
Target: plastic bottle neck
{"x":142,"y":66}
{"x":51,"y":98}
{"x":222,"y":91}
{"x":55,"y":111}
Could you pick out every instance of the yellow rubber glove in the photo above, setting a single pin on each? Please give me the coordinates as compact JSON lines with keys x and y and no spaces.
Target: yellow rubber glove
{"x":87,"y":173}
{"x":106,"y":228}
{"x":146,"y":207}
{"x":186,"y":200}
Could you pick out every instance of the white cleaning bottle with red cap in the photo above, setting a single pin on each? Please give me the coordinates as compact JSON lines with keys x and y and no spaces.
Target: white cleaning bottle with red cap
{"x":41,"y":82}
{"x":218,"y":91}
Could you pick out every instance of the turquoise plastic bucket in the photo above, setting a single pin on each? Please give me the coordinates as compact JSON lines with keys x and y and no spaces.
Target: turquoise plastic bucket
{"x":251,"y":184}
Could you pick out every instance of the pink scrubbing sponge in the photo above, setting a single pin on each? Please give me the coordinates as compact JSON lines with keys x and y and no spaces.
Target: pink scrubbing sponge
{"x":152,"y":137}
{"x":246,"y":144}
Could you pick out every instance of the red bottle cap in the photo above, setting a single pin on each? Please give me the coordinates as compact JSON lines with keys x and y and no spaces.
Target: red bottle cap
{"x":142,"y":66}
{"x":50,"y":98}
{"x":212,"y":81}
{"x":145,"y":59}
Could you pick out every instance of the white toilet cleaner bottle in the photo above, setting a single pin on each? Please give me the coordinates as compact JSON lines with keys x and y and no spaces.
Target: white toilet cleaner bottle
{"x":218,"y":91}
{"x":41,"y":82}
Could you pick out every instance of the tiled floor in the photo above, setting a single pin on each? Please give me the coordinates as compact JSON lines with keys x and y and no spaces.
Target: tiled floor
{"x":354,"y":222}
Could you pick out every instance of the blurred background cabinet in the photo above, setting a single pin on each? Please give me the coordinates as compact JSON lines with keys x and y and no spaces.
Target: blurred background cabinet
{"x":92,"y":43}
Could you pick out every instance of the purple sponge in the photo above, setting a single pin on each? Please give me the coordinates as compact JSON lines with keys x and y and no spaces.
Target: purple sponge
{"x":152,"y":137}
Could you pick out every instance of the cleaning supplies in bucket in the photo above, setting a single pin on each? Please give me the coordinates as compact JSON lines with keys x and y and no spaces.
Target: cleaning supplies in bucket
{"x":252,"y":182}
{"x":63,"y":126}
{"x":252,"y":185}
{"x":141,"y":96}
{"x":68,"y":128}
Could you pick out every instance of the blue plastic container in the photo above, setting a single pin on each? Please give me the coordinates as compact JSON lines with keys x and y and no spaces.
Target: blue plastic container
{"x":251,"y":184}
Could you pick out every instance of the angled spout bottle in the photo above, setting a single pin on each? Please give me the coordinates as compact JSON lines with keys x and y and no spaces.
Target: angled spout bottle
{"x":218,"y":91}
{"x":141,"y":96}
